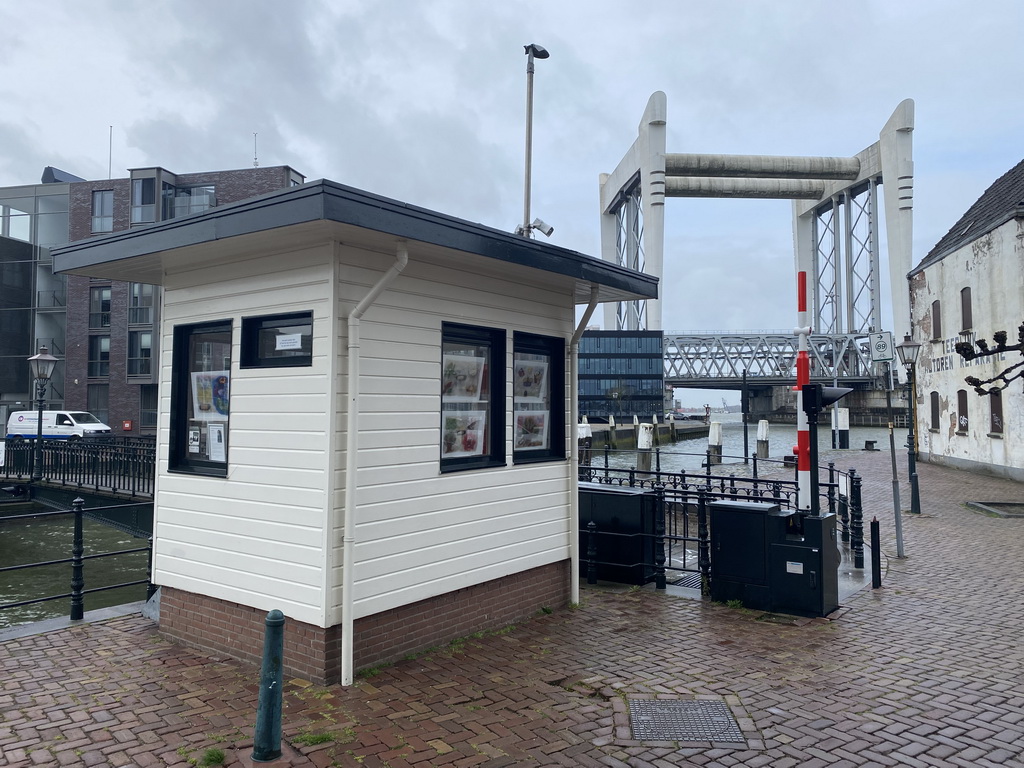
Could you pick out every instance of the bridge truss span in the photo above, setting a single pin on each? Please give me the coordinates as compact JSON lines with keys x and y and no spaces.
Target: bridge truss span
{"x":719,"y":359}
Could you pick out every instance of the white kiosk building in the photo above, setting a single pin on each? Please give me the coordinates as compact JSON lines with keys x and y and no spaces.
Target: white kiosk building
{"x":366,"y":421}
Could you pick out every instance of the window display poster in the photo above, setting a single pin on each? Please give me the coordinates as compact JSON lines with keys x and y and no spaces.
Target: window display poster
{"x":530,"y":380}
{"x":463,"y":433}
{"x":531,"y":430}
{"x":461,"y":378}
{"x":210,"y":395}
{"x":215,"y":442}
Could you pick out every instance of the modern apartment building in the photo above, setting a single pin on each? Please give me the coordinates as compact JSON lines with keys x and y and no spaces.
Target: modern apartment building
{"x":102,"y":331}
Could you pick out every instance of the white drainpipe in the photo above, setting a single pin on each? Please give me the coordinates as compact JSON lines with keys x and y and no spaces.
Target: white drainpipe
{"x":574,"y":450}
{"x":351,"y":455}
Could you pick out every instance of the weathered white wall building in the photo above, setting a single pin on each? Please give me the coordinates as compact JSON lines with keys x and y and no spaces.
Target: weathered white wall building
{"x":968,"y":287}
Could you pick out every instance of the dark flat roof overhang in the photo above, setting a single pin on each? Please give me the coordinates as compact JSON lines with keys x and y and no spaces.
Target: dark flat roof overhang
{"x":140,"y":254}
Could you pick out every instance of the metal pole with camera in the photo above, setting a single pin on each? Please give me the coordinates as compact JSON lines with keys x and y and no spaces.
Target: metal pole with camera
{"x":908,"y":352}
{"x":533,"y":51}
{"x":42,"y":366}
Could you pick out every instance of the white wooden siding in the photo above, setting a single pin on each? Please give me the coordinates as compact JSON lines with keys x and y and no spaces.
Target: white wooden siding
{"x":256,"y":537}
{"x":421,"y":533}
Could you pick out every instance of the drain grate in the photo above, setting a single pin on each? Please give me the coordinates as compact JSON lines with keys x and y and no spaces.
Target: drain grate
{"x":683,"y":721}
{"x":688,"y":580}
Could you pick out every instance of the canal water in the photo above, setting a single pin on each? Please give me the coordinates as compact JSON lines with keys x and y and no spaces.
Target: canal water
{"x":41,"y":539}
{"x":689,"y":455}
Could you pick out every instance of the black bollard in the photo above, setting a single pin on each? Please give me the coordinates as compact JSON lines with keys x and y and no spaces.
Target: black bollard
{"x":591,"y":552}
{"x":876,"y":555}
{"x":267,"y":740}
{"x":77,"y":576}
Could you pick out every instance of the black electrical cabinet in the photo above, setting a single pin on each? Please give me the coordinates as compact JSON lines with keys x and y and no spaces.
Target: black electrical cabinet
{"x":773,"y":560}
{"x":624,"y":531}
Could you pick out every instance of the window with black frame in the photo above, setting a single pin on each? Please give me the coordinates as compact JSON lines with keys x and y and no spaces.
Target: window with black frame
{"x":276,"y":341}
{"x":201,"y":398}
{"x":538,"y":398}
{"x":472,"y":397}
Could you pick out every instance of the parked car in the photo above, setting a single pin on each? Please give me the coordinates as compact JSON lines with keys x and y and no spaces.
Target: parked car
{"x":58,"y":425}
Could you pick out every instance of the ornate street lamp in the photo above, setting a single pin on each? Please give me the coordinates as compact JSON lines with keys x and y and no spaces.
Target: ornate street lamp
{"x":42,"y":366}
{"x":908,"y":352}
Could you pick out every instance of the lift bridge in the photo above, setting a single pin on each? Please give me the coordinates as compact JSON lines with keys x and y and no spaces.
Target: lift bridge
{"x":723,"y":359}
{"x":837,"y":220}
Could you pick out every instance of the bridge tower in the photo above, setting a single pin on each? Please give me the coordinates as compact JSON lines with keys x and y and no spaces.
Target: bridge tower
{"x":835,"y":218}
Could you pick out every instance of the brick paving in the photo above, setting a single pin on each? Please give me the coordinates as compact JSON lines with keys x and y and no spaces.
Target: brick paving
{"x":927,"y":671}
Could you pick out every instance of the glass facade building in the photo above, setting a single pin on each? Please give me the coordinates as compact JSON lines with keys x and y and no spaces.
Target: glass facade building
{"x":103,"y":332}
{"x":621,"y":374}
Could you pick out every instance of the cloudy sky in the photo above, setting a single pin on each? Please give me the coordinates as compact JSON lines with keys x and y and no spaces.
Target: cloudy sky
{"x":424,"y":101}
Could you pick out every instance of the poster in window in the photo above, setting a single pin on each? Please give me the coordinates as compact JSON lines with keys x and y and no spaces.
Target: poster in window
{"x":215,"y":437}
{"x":461,"y":378}
{"x":210,"y":395}
{"x":530,"y":381}
{"x":531,"y":430}
{"x":463,"y":433}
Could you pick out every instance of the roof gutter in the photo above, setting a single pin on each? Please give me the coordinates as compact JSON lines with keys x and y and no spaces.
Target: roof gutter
{"x":351,"y":462}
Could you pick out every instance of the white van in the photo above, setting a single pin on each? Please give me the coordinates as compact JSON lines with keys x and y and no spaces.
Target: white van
{"x":61,"y":425}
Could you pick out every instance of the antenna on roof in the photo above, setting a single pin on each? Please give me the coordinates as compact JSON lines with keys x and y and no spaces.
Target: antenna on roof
{"x":110,"y":152}
{"x":255,"y":161}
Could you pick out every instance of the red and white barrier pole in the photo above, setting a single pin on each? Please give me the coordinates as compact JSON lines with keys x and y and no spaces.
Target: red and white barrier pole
{"x":803,"y":378}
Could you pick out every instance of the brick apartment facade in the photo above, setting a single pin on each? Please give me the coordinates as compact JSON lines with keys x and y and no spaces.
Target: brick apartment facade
{"x":111,"y":344}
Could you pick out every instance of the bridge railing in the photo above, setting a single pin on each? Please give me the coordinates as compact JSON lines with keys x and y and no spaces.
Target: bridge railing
{"x":766,"y":355}
{"x":120,"y":465}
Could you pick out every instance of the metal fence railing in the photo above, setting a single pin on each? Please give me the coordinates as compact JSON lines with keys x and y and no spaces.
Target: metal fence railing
{"x":115,"y":465}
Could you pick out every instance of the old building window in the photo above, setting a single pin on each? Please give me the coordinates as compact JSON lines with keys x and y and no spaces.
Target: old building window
{"x":962,"y":421}
{"x":933,"y":402}
{"x":965,"y":310}
{"x":472,"y":397}
{"x":936,"y":319}
{"x":996,"y":405}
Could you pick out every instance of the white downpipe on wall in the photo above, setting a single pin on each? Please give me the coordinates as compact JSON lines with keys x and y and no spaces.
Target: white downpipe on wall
{"x":574,"y":451}
{"x":351,"y":455}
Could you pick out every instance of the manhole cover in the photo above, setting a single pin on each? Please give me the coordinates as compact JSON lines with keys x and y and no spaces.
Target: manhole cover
{"x":683,"y":721}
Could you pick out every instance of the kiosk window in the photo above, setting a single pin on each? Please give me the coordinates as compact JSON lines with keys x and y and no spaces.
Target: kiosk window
{"x":538,"y":398}
{"x":472,"y":397}
{"x":273,"y":341}
{"x":200,"y":398}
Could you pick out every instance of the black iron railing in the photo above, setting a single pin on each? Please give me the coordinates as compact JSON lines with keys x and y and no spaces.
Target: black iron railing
{"x":681,"y":529}
{"x":78,"y":559}
{"x":114,"y":465}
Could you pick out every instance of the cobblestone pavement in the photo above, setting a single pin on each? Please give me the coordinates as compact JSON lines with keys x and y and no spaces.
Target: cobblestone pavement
{"x":927,"y":671}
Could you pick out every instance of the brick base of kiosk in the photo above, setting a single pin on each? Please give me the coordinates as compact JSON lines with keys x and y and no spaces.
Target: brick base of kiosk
{"x":314,"y":653}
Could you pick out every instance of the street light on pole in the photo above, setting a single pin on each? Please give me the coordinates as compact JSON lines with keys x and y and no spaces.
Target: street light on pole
{"x":42,"y":366}
{"x":533,"y":51}
{"x":908,"y":352}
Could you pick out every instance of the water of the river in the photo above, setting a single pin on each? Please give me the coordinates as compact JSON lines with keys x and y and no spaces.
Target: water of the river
{"x":690,"y":454}
{"x":41,"y":539}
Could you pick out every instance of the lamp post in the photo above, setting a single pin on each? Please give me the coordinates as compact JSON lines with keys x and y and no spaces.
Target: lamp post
{"x":533,"y":51}
{"x":42,"y":366}
{"x":908,"y":352}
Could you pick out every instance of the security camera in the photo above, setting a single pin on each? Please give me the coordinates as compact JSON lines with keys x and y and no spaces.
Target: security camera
{"x":543,"y":226}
